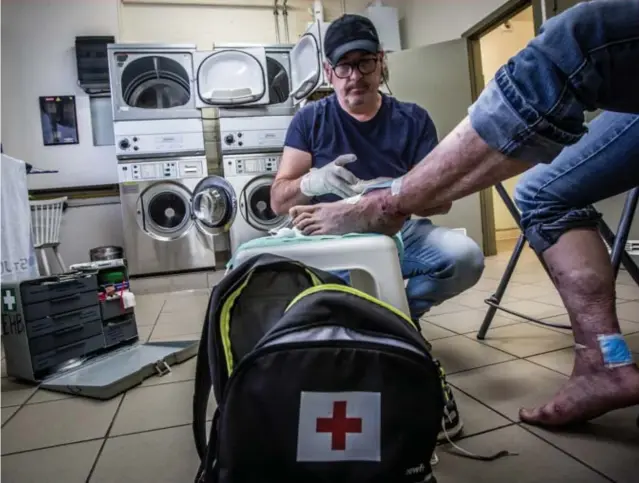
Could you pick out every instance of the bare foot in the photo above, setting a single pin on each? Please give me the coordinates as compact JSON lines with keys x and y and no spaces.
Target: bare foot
{"x":342,"y":217}
{"x":588,"y":396}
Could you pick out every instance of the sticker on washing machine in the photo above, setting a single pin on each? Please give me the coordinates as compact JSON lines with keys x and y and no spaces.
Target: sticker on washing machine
{"x":129,"y":188}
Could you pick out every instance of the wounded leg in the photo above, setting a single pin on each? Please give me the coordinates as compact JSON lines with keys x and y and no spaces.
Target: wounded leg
{"x":580,"y":267}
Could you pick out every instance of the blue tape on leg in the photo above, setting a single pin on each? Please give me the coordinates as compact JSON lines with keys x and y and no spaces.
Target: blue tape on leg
{"x":615,"y":350}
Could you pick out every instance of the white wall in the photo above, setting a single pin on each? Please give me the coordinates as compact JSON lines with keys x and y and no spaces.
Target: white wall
{"x":38,"y":59}
{"x":203,"y":22}
{"x":431,"y":21}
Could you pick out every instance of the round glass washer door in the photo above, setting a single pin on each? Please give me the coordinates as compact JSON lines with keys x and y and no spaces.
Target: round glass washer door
{"x":214,"y":205}
{"x":164,"y":211}
{"x":255,"y":205}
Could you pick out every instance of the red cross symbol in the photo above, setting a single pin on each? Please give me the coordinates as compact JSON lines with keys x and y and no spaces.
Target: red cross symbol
{"x":339,"y":426}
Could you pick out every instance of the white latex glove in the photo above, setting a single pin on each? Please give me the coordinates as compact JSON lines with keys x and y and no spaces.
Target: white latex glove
{"x":332,"y":178}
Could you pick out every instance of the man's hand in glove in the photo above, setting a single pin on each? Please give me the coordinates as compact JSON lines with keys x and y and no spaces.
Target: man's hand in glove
{"x":332,"y":178}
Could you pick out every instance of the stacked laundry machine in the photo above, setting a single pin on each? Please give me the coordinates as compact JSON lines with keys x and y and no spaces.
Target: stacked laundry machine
{"x":161,"y":160}
{"x":175,"y":208}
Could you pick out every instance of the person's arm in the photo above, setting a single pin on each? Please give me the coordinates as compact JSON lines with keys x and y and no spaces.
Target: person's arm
{"x":296,"y":161}
{"x":428,"y":141}
{"x":285,"y":190}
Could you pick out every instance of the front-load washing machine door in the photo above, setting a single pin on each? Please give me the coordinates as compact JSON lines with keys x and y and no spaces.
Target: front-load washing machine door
{"x":255,"y":205}
{"x":307,"y":73}
{"x":214,"y":205}
{"x":229,"y":77}
{"x":151,"y":85}
{"x":164,"y":211}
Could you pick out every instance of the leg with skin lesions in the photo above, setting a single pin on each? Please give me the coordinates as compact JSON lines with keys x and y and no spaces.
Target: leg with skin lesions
{"x":560,"y":223}
{"x":580,"y":267}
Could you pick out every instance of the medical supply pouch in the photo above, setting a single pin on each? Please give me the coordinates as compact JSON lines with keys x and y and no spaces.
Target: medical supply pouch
{"x":315,"y":382}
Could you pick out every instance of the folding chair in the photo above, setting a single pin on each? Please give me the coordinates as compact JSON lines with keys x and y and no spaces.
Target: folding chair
{"x":618,"y":256}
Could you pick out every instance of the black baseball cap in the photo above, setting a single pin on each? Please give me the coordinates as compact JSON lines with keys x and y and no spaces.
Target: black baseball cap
{"x":348,"y":33}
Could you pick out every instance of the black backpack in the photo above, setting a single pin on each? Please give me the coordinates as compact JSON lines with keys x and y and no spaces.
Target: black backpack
{"x":315,"y":382}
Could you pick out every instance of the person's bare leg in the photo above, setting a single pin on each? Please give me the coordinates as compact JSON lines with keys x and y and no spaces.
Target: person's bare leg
{"x":580,"y":267}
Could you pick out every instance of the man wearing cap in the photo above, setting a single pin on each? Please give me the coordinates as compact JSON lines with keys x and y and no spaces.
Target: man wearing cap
{"x":335,"y":145}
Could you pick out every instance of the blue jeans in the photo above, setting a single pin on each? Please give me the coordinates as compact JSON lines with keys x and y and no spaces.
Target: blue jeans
{"x":438,"y":262}
{"x":586,"y":58}
{"x":557,"y":197}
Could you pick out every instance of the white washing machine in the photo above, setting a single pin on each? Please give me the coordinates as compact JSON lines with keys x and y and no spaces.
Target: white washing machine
{"x":172,"y":212}
{"x":251,"y":177}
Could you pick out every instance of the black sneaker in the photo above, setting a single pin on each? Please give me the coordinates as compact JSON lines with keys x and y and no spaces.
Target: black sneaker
{"x":452,"y":423}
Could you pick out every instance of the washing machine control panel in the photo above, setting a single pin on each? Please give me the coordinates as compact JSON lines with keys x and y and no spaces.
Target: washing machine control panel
{"x":155,"y":170}
{"x":248,"y":165}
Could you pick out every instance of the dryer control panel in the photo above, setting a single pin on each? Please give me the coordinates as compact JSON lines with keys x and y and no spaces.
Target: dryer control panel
{"x":155,"y":170}
{"x":249,"y":165}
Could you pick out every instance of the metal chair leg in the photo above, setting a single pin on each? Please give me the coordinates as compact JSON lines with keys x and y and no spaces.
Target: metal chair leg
{"x":45,"y":262}
{"x":501,"y":288}
{"x":63,"y":267}
{"x":619,"y":247}
{"x":618,"y":256}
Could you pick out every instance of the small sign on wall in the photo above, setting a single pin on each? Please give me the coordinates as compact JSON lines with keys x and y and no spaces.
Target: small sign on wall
{"x":59,"y":121}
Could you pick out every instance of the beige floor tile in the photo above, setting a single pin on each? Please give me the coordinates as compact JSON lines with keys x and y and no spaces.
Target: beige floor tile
{"x":551,"y":298}
{"x":189,"y":281}
{"x":194,"y":337}
{"x":627,"y":292}
{"x":148,"y":307}
{"x":63,"y":464}
{"x":460,"y":353}
{"x":628,"y":311}
{"x":172,"y":324}
{"x":530,"y":291}
{"x":474,"y":299}
{"x":155,"y":407}
{"x":447,"y":307}
{"x":609,"y":444}
{"x":433,"y":332}
{"x":560,"y":361}
{"x":3,"y":369}
{"x":8,"y":412}
{"x":624,"y":278}
{"x":530,"y":277}
{"x":509,"y":386}
{"x":15,"y":393}
{"x":42,"y":395}
{"x":535,"y":309}
{"x":633,"y":343}
{"x":58,"y":422}
{"x":477,"y":418}
{"x":179,"y":373}
{"x":536,"y":461}
{"x":144,"y":331}
{"x":151,"y":285}
{"x":164,"y":456}
{"x":524,"y":340}
{"x":188,"y":300}
{"x":468,"y":321}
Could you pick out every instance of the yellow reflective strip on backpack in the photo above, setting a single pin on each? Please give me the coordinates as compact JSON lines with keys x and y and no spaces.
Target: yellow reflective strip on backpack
{"x":225,"y":315}
{"x":352,"y":291}
{"x":225,"y":322}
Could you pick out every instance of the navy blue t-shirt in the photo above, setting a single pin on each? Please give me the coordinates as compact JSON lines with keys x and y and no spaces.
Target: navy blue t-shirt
{"x":399,"y":136}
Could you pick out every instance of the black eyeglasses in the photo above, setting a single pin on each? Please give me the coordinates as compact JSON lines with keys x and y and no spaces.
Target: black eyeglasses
{"x":364,"y":66}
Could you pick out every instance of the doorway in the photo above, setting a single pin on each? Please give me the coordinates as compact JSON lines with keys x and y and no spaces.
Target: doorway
{"x":496,"y":46}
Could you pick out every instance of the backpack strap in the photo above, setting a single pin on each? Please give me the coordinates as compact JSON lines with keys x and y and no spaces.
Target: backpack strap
{"x":201,"y":392}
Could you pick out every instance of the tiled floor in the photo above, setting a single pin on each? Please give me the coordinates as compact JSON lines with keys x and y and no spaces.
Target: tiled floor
{"x":145,"y":435}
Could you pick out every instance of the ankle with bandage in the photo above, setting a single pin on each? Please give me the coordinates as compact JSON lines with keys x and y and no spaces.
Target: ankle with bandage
{"x":614,"y":350}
